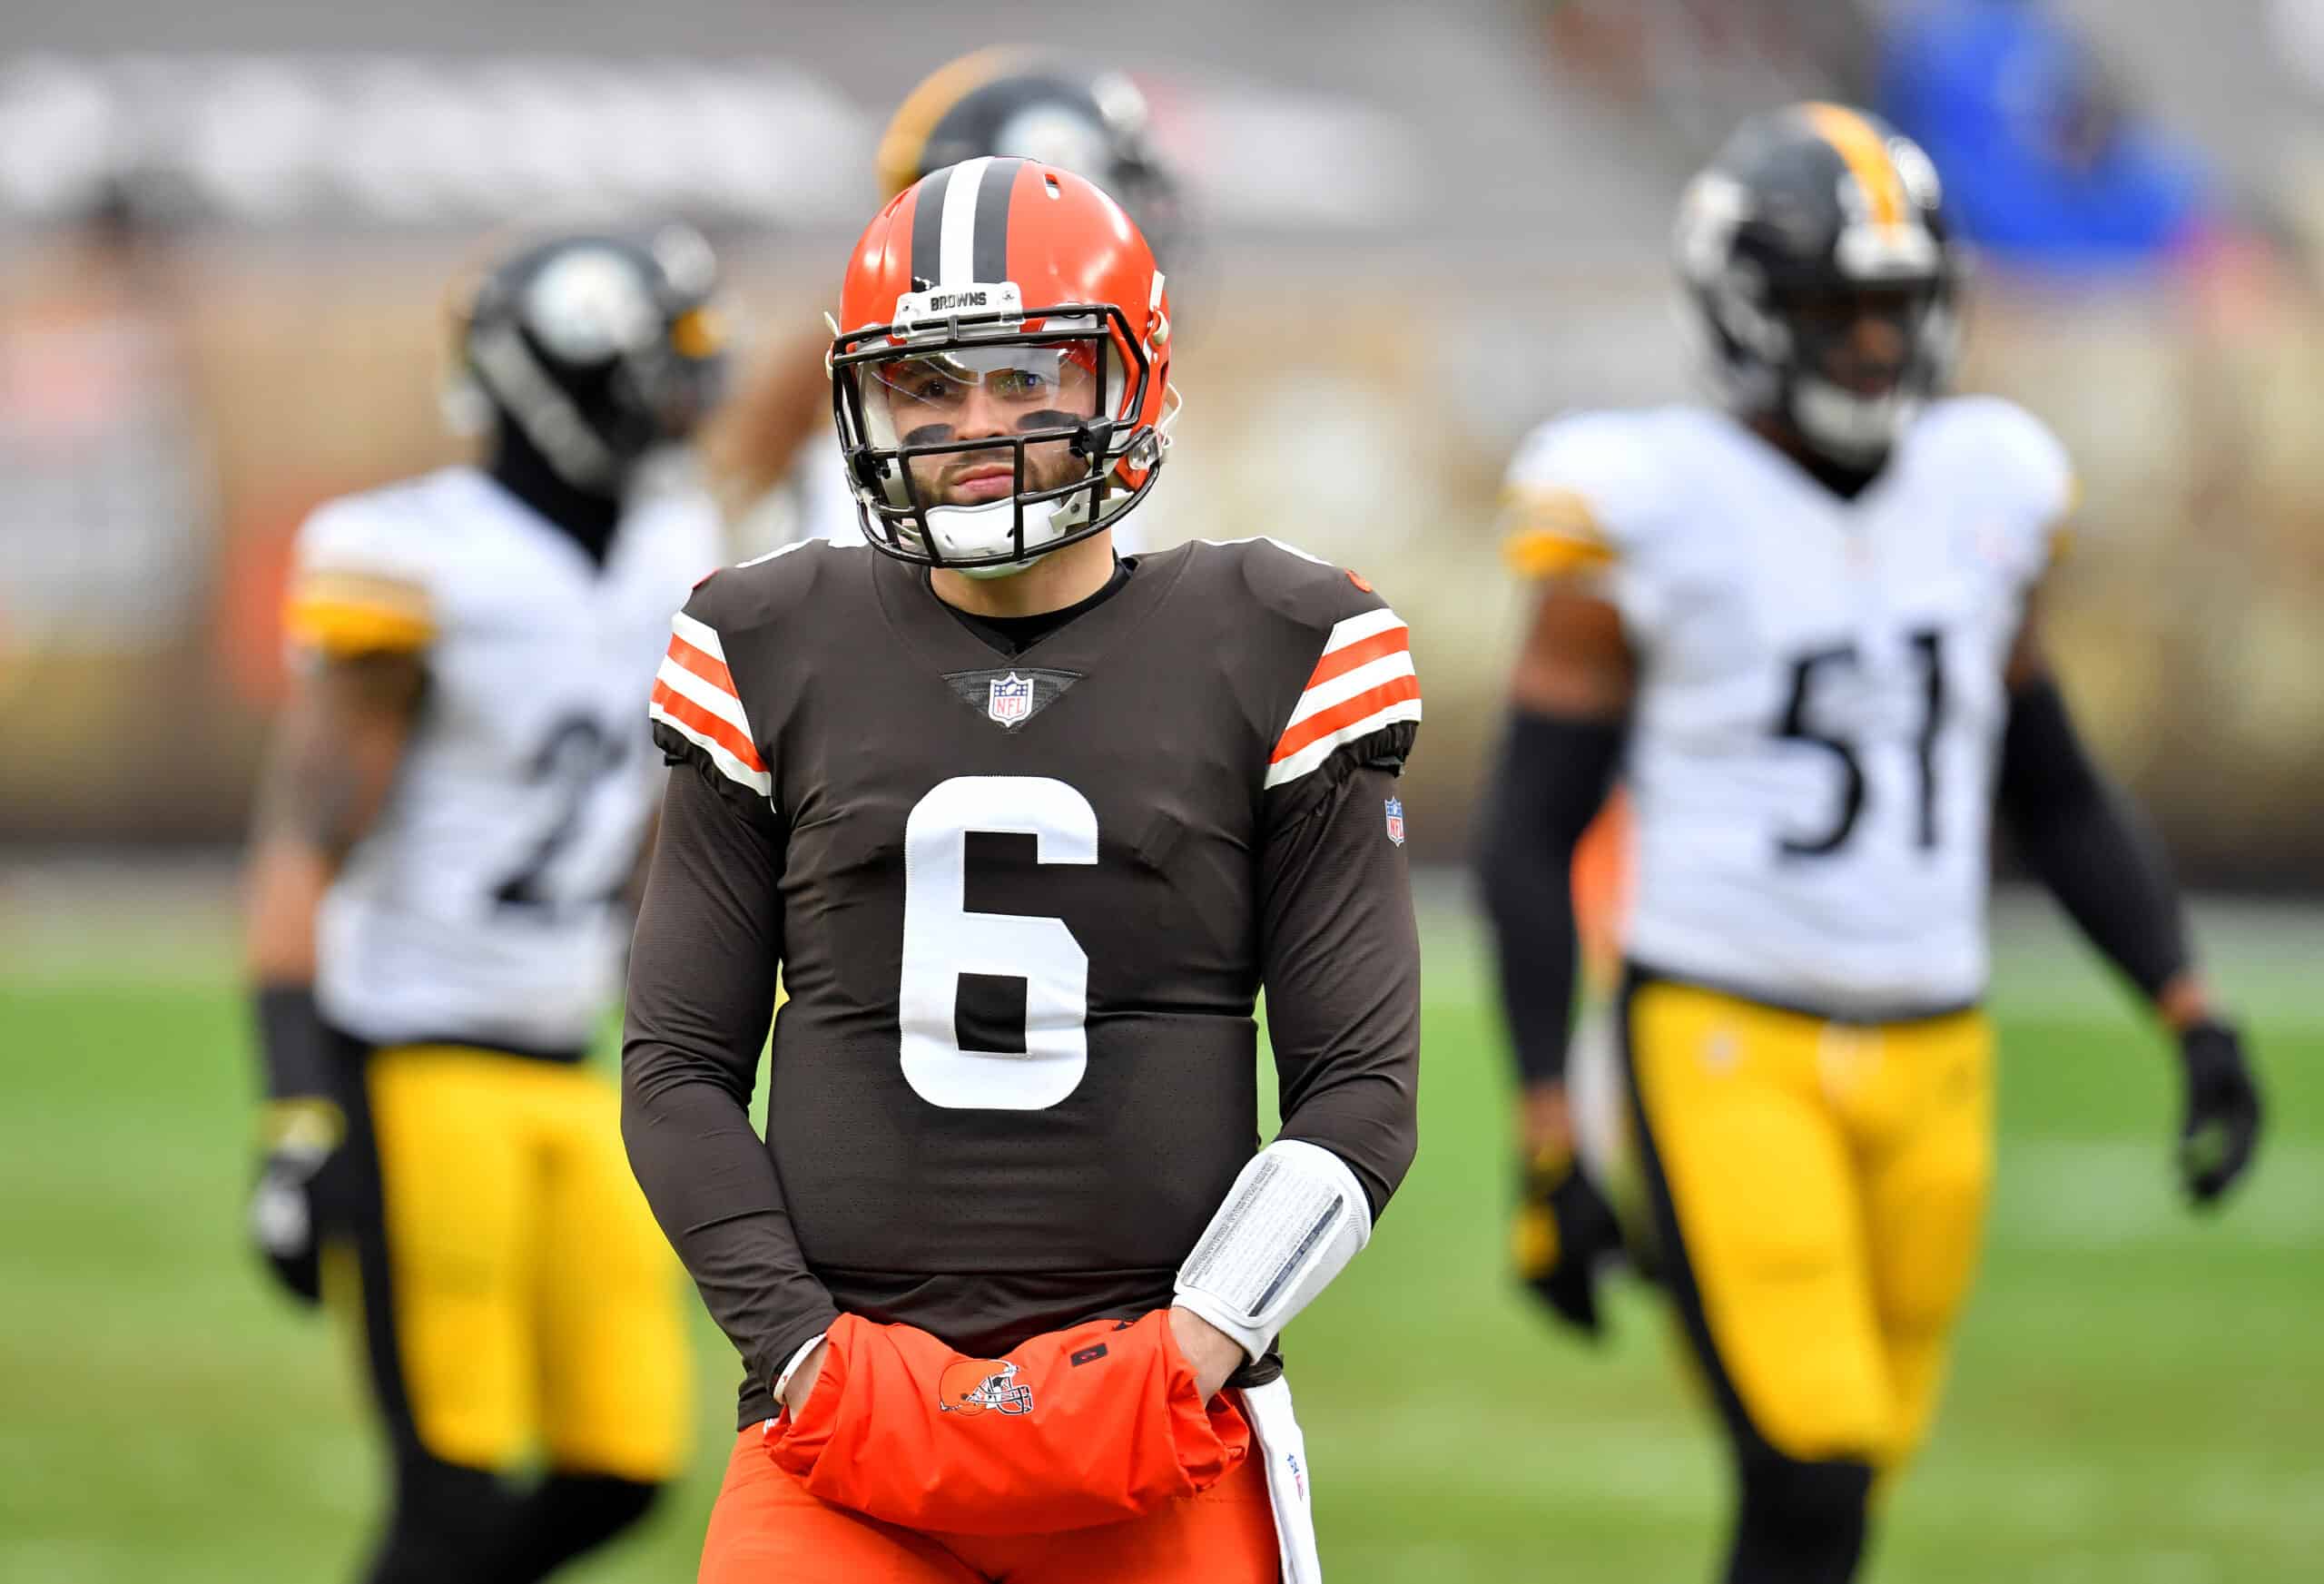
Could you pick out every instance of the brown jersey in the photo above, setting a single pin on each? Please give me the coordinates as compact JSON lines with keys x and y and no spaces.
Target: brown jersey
{"x":1022,"y":903}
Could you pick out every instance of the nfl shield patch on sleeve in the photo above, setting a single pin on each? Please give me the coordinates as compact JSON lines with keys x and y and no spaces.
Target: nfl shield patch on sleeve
{"x":1396,"y":821}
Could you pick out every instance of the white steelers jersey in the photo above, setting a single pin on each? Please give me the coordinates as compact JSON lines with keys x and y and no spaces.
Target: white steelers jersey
{"x":483,"y":906}
{"x":1813,"y":745}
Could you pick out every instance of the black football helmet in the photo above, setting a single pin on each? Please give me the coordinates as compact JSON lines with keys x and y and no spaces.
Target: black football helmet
{"x":1019,"y":103}
{"x":1810,"y":222}
{"x":598,"y":347}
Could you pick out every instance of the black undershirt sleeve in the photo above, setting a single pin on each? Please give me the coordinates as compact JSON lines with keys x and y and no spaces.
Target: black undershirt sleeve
{"x":1340,"y":958}
{"x":294,"y":1042}
{"x":2087,"y":843}
{"x":702,"y":986}
{"x":1552,"y":776}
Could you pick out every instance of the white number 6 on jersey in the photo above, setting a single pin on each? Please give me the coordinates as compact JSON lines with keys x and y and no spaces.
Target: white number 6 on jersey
{"x":943,"y":941}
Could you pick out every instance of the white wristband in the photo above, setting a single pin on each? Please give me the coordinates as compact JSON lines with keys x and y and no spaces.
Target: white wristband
{"x":1291,"y":1222}
{"x":782,"y":1380}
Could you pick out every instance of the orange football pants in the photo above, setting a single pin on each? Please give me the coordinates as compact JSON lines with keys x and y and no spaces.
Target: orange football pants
{"x":767,"y":1529}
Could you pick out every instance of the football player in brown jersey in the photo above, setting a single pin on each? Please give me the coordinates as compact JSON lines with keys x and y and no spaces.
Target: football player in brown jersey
{"x":1026,"y":825}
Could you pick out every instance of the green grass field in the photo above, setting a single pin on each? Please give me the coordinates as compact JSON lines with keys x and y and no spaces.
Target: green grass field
{"x":2139,"y":1395}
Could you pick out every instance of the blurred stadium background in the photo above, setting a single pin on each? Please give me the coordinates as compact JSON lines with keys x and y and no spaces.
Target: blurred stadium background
{"x":225,"y":233}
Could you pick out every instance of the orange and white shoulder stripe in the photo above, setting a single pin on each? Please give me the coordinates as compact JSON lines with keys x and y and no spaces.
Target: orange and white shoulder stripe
{"x":1362,"y":682}
{"x":695,"y":696}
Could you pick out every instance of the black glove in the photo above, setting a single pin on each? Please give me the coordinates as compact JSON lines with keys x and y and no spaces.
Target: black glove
{"x":2222,"y":1123}
{"x":1564,"y":1228}
{"x":307,"y":1186}
{"x":303,"y":1191}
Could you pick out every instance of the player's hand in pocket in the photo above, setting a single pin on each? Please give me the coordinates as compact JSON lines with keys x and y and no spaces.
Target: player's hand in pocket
{"x":1210,"y":1353}
{"x":800,"y":1384}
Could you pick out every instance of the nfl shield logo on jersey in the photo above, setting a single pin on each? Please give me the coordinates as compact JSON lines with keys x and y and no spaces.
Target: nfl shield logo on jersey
{"x":1396,"y":821}
{"x":1011,"y":699}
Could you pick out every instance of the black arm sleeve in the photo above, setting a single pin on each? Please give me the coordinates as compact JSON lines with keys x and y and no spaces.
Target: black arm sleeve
{"x":2087,"y":843}
{"x":702,"y":983}
{"x":293,"y":1042}
{"x":1340,"y":954}
{"x":1552,"y":777}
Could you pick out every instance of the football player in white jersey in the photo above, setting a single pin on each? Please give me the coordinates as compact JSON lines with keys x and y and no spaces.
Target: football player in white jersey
{"x":1800,"y":625}
{"x":455,"y":803}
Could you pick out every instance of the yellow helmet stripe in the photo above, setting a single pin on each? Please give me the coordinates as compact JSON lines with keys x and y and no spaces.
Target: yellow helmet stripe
{"x":906,"y":139}
{"x":1860,"y":145}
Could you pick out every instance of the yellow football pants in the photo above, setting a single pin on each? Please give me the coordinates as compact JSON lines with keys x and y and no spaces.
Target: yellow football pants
{"x":530,"y":1302}
{"x":1819,"y":1188}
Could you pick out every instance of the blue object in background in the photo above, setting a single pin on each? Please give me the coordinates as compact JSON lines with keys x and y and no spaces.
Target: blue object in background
{"x":2043,"y":163}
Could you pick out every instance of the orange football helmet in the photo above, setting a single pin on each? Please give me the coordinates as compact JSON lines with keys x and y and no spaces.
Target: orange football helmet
{"x":970,"y":1386}
{"x":1001,"y":370}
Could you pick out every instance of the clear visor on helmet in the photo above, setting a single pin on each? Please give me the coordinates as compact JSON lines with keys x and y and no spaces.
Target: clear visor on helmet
{"x":972,"y":425}
{"x":984,"y":445}
{"x":972,"y":393}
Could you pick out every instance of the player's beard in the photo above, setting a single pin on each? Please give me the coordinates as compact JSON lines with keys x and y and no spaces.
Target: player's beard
{"x":946,"y":482}
{"x":943,"y":480}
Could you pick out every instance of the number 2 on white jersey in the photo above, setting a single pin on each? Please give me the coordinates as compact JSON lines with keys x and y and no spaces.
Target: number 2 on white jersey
{"x":943,"y":941}
{"x":576,"y":759}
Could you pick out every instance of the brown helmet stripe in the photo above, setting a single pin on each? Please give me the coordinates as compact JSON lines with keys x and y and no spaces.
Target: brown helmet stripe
{"x":991,"y":249}
{"x":928,"y":228}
